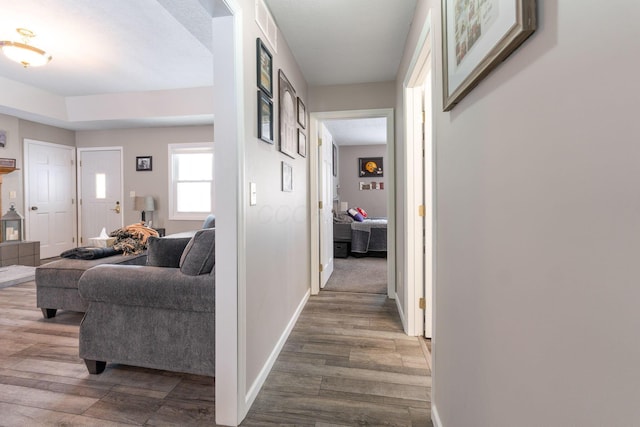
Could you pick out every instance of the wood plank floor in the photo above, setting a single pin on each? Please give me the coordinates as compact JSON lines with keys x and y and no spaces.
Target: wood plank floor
{"x":347,"y":362}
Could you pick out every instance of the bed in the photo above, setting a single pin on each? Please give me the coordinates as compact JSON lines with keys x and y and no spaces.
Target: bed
{"x":366,"y":238}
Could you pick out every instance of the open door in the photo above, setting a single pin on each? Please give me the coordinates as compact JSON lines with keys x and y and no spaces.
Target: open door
{"x":326,"y":204}
{"x":100,"y":188}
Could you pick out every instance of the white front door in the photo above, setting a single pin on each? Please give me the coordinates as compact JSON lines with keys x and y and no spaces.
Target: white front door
{"x":50,"y":196}
{"x":326,"y":198}
{"x":100,"y":187}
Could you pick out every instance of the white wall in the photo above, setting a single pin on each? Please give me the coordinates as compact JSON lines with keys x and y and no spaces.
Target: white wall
{"x":538,"y":217}
{"x":374,"y":202}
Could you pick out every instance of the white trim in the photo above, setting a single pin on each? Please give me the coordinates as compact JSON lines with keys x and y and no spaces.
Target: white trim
{"x":401,"y":313}
{"x":25,"y":176}
{"x":229,"y":131}
{"x":181,"y":147}
{"x":435,"y":416}
{"x":79,"y":152}
{"x":415,"y":275}
{"x":253,"y":391}
{"x":315,"y":118}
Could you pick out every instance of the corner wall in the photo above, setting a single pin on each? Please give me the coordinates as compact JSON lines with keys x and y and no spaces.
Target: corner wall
{"x":538,"y":217}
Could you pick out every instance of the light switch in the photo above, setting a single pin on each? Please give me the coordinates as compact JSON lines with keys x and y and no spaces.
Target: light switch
{"x":132,"y":194}
{"x":252,"y":194}
{"x":12,"y":194}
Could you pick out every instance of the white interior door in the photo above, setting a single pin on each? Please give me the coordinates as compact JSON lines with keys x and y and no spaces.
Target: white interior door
{"x":100,"y":189}
{"x":326,"y":198}
{"x":50,"y":191}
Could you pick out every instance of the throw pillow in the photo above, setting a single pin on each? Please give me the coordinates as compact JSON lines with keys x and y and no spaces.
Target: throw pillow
{"x":355,"y":215}
{"x":165,"y":251}
{"x":199,"y":255}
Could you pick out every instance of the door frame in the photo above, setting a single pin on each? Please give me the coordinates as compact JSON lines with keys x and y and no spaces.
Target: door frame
{"x":314,"y":120}
{"x":25,"y":155}
{"x":419,"y":270}
{"x":79,"y":152}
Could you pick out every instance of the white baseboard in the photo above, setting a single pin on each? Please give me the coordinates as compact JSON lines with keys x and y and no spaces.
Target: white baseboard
{"x":252,"y":393}
{"x":435,"y":417}
{"x":403,"y":318}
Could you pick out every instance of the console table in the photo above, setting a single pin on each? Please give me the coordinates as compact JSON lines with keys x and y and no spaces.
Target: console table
{"x":19,"y":253}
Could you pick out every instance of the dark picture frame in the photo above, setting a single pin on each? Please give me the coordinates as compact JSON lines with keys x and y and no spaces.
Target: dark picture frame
{"x":370,"y":167}
{"x":264,"y":68}
{"x":302,"y":143}
{"x":302,"y":114}
{"x":265,"y":117}
{"x":144,"y":163}
{"x":477,"y":38}
{"x":287,"y":140}
{"x":334,"y":160}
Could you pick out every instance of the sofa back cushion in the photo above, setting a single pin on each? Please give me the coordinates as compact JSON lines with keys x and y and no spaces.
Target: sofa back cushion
{"x":166,"y":251}
{"x":199,"y":254}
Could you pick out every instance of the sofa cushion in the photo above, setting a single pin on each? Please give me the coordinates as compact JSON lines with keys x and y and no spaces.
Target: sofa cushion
{"x":199,"y":255}
{"x":165,"y":251}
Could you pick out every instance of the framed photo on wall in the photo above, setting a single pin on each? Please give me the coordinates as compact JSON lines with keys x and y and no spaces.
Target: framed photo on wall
{"x":287,"y":177}
{"x":265,"y":117}
{"x":477,"y":36}
{"x":264,"y":61}
{"x":370,"y":166}
{"x":302,"y":114}
{"x":288,"y":140}
{"x":302,"y":143}
{"x":144,"y":163}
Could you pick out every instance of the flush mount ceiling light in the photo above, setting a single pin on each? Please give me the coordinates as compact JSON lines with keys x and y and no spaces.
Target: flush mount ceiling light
{"x":24,"y":53}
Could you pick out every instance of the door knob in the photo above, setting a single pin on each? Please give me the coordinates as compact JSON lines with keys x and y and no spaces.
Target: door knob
{"x":117,"y":208}
{"x":34,"y":208}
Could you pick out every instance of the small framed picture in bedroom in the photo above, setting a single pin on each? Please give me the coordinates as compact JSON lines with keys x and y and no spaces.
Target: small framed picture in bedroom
{"x":370,"y":167}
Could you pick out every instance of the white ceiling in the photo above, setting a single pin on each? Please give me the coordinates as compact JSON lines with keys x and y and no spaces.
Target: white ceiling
{"x":358,"y":131}
{"x":129,"y":53}
{"x":345,"y":41}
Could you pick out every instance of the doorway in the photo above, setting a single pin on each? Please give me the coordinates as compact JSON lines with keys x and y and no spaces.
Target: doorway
{"x":320,"y":230}
{"x":50,"y":196}
{"x":100,"y":189}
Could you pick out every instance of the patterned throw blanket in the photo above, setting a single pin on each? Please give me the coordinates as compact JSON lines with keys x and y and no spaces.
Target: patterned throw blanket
{"x":132,"y":239}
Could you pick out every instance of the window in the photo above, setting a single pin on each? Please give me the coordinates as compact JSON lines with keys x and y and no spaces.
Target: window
{"x":190,"y":181}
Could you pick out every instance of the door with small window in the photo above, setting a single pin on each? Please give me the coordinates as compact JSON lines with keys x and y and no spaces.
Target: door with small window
{"x":100,"y":188}
{"x":190,"y":181}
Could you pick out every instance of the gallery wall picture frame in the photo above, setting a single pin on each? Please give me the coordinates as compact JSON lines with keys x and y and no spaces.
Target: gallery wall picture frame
{"x":370,"y":167}
{"x":476,"y":37}
{"x":264,"y":61}
{"x":302,"y":143}
{"x":302,"y":114}
{"x":287,"y":177}
{"x":144,"y":163}
{"x":265,"y":117}
{"x":335,"y":160}
{"x":287,"y":140}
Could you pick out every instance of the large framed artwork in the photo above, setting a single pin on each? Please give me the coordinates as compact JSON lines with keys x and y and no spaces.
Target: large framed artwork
{"x":477,"y":35}
{"x":264,"y":62}
{"x":288,"y":141}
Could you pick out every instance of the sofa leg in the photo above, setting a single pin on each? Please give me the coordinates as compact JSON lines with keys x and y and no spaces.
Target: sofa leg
{"x":48,"y":313}
{"x":95,"y":366}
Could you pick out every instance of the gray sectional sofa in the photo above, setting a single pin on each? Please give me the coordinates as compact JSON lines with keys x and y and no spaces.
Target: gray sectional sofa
{"x":161,"y":315}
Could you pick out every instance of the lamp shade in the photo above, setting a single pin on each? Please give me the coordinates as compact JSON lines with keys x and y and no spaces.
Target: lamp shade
{"x":149,"y":204}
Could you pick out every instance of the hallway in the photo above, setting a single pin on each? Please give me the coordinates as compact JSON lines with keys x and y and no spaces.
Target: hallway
{"x":347,"y":362}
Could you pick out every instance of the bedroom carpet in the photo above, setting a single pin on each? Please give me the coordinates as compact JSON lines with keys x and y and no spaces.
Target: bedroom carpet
{"x":365,"y":274}
{"x":14,"y":274}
